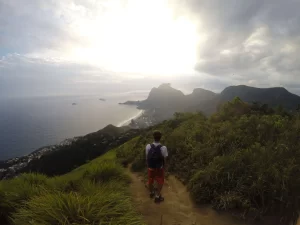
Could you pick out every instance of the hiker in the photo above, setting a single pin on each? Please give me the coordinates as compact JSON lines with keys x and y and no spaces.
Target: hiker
{"x":156,"y":162}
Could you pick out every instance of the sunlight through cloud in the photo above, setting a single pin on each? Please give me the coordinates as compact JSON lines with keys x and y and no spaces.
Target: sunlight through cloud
{"x":140,"y":37}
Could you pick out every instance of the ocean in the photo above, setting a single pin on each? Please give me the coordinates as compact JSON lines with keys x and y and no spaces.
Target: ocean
{"x":29,"y":123}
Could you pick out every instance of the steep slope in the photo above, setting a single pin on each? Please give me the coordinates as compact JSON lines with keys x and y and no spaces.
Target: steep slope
{"x":163,"y":97}
{"x":67,"y":157}
{"x":81,"y":151}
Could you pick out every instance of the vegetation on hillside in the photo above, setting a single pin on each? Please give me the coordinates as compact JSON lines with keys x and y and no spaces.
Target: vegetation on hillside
{"x":81,"y":151}
{"x":244,"y":159}
{"x":94,"y":193}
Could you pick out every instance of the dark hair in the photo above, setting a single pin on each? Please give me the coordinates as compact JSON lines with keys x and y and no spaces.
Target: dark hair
{"x":157,"y":135}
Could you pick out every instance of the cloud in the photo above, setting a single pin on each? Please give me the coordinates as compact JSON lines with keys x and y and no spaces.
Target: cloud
{"x":32,"y":25}
{"x":47,"y":45}
{"x":253,"y":42}
{"x":25,"y":76}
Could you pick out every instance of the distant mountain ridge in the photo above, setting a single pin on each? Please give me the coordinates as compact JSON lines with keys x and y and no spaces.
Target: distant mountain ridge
{"x":200,"y":94}
{"x":166,"y":98}
{"x":273,"y":96}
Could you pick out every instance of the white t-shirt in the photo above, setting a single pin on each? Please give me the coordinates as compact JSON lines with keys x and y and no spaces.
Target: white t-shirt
{"x":164,"y":150}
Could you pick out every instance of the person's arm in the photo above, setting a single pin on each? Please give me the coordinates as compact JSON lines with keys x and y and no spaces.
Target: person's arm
{"x":147,"y":149}
{"x":165,"y":155}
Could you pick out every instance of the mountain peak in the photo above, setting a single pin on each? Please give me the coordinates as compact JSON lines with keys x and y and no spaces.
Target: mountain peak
{"x":165,"y":85}
{"x":165,"y":88}
{"x":163,"y":96}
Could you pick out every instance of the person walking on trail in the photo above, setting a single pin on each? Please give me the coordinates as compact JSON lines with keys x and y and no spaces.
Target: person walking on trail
{"x":156,"y":155}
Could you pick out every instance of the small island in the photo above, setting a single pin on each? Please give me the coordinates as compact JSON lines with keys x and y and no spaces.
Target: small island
{"x":130,"y":103}
{"x":102,"y":99}
{"x":74,"y":103}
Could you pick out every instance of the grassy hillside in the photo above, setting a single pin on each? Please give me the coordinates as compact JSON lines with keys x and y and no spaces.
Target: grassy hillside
{"x":94,"y":193}
{"x":244,"y":159}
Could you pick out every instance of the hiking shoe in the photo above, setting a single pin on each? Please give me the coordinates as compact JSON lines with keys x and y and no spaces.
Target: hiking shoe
{"x":159,"y":199}
{"x":152,"y":194}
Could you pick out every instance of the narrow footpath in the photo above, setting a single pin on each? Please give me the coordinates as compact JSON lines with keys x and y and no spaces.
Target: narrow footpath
{"x":177,"y":209}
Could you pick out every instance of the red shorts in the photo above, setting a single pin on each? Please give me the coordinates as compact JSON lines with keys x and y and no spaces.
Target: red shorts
{"x":156,"y":174}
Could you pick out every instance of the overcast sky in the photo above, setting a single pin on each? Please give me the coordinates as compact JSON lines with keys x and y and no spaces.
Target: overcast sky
{"x":65,"y":47}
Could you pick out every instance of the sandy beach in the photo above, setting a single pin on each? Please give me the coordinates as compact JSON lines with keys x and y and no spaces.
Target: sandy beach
{"x":127,"y":121}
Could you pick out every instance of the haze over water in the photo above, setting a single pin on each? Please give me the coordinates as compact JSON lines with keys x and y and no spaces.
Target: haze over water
{"x":28,"y":124}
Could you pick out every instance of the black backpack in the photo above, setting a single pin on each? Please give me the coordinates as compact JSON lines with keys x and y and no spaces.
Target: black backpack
{"x":155,"y":158}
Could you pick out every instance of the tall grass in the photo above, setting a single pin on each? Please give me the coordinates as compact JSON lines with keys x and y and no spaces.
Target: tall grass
{"x":104,"y":206}
{"x":94,"y":193}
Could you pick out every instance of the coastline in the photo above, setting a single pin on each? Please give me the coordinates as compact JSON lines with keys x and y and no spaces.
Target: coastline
{"x":127,"y":121}
{"x":11,"y":167}
{"x":35,"y":122}
{"x":8,"y":168}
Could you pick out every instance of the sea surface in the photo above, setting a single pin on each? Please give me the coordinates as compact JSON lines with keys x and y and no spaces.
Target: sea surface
{"x":27,"y":124}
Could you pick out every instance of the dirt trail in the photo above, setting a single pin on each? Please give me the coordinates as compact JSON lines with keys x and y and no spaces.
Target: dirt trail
{"x":177,"y":209}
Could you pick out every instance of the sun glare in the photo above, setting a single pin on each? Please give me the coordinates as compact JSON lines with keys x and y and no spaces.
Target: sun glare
{"x":142,"y":36}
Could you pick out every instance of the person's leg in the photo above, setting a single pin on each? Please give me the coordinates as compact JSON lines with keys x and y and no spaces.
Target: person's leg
{"x":150,"y":182}
{"x":151,"y":188}
{"x":160,"y":183}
